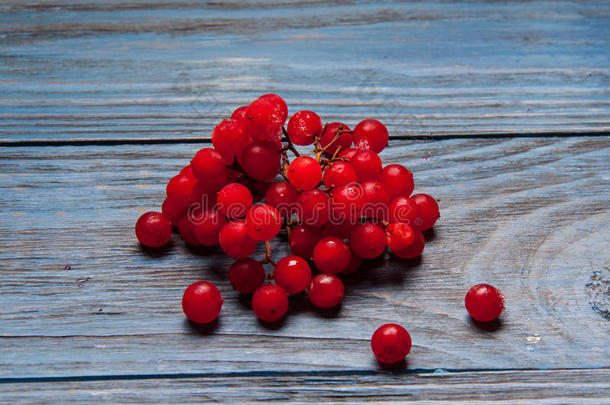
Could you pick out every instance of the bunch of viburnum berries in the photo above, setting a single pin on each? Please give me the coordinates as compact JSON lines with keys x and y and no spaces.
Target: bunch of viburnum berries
{"x":338,"y":206}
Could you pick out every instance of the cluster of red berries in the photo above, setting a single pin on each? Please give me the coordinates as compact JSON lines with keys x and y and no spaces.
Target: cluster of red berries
{"x":338,"y":207}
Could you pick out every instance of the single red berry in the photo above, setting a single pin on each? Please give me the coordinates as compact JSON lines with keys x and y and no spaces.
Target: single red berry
{"x":246,"y":275}
{"x":367,"y":165}
{"x":354,"y":264}
{"x":371,"y":134}
{"x":338,"y":174}
{"x":391,"y":343}
{"x":261,"y":160}
{"x":230,"y":139}
{"x":239,"y":113}
{"x":414,"y":249}
{"x":180,"y":190}
{"x":172,"y":210}
{"x":303,"y":238}
{"x":304,"y":173}
{"x":270,"y":302}
{"x":283,"y":197}
{"x":293,"y":274}
{"x":331,"y":255}
{"x":264,"y":119}
{"x":234,"y":200}
{"x":347,"y":203}
{"x":348,"y":153}
{"x":187,"y":230}
{"x":202,"y":302}
{"x":303,"y":127}
{"x":204,"y":195}
{"x":208,"y":166}
{"x":427,"y":210}
{"x":153,"y":229}
{"x":344,"y":141}
{"x":326,"y":291}
{"x":368,"y":240}
{"x":280,"y":107}
{"x":398,"y":180}
{"x":263,"y":222}
{"x":207,"y":224}
{"x":376,"y":200}
{"x":404,"y":210}
{"x":400,"y":236}
{"x":342,"y":229}
{"x":313,"y":207}
{"x":235,"y":241}
{"x":484,"y":302}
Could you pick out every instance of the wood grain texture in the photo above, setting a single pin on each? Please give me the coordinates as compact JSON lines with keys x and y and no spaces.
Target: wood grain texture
{"x":528,"y":215}
{"x":173,"y":69}
{"x":515,"y":387}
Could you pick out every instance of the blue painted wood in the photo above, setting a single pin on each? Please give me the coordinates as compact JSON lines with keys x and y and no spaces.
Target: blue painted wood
{"x":174,"y":69}
{"x":528,"y":215}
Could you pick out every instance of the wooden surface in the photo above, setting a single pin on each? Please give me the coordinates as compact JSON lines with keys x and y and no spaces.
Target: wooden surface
{"x":500,"y":109}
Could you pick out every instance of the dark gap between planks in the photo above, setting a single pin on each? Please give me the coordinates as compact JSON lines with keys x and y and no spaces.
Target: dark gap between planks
{"x":159,"y":141}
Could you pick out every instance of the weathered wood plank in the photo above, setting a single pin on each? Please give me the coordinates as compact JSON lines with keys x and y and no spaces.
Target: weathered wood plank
{"x":512,"y":386}
{"x":73,"y":70}
{"x":528,"y":215}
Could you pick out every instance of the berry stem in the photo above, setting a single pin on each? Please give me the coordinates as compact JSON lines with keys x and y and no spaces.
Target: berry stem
{"x":289,"y":145}
{"x":267,"y":258}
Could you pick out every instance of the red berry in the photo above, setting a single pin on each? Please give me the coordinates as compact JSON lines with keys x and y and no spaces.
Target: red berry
{"x":293,"y":274}
{"x":376,"y":200}
{"x":280,"y":107}
{"x":344,"y":141}
{"x":187,"y":231}
{"x":180,"y":190}
{"x":348,"y":153}
{"x":235,"y":241}
{"x":331,"y":255}
{"x":404,"y":210}
{"x":400,"y":236}
{"x":239,"y":113}
{"x":347,"y":202}
{"x":338,"y":174}
{"x":354,"y":264}
{"x":263,"y":222}
{"x":246,"y":275}
{"x":391,"y":343}
{"x":303,"y":239}
{"x":206,"y":225}
{"x":264,"y":119}
{"x":172,"y":210}
{"x":208,"y":166}
{"x":234,"y":200}
{"x":414,"y":249}
{"x":283,"y":197}
{"x":153,"y":229}
{"x":314,"y":207}
{"x":270,"y":302}
{"x":484,"y":303}
{"x":367,"y":165}
{"x":303,"y":127}
{"x":427,"y":210}
{"x":304,"y":173}
{"x":230,"y":139}
{"x":368,"y":241}
{"x":340,"y":229}
{"x":398,"y":180}
{"x":202,"y":302}
{"x":326,"y":291}
{"x":371,"y":134}
{"x":261,"y":160}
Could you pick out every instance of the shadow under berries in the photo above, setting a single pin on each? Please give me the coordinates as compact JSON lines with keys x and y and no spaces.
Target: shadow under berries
{"x":202,"y":328}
